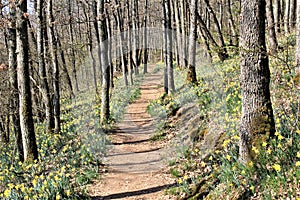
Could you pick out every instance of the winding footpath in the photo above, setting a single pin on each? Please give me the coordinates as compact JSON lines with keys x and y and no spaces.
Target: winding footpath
{"x":136,"y":165}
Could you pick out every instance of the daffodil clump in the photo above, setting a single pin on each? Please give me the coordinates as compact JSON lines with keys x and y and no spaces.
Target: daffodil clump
{"x":274,"y":171}
{"x":66,"y":162}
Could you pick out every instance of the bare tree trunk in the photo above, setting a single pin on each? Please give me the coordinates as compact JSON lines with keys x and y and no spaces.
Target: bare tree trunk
{"x":12,"y":64}
{"x":72,"y":53}
{"x":26,"y":119}
{"x":54,"y":60}
{"x":165,"y":47}
{"x":105,"y":112}
{"x":169,"y":47}
{"x":134,"y":35}
{"x":232,"y":24}
{"x":121,"y":40}
{"x":277,"y":12}
{"x":109,"y":50}
{"x":271,"y":28}
{"x":64,"y":67}
{"x":292,"y":22}
{"x":96,"y":27}
{"x":257,"y":115}
{"x":191,"y":73}
{"x":145,"y":38}
{"x":90,"y":46}
{"x":42,"y":69}
{"x":183,"y":30}
{"x":178,"y":34}
{"x":287,"y":17}
{"x":130,"y":67}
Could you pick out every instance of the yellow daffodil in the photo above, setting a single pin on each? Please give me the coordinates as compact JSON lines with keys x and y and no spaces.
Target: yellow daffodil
{"x":203,"y":164}
{"x":180,"y":181}
{"x":6,"y":193}
{"x":264,"y":144}
{"x":277,"y":167}
{"x":228,"y":157}
{"x":280,"y":137}
{"x":250,"y":164}
{"x":255,"y":150}
{"x":297,"y":163}
{"x":68,"y":192}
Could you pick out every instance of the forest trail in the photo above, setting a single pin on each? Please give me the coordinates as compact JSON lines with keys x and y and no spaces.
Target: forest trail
{"x":136,"y":167}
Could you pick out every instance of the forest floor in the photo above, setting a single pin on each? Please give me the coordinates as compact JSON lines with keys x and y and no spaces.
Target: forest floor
{"x":136,"y":165}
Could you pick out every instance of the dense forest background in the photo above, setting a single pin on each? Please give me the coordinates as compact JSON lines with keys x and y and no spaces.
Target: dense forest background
{"x":58,"y":58}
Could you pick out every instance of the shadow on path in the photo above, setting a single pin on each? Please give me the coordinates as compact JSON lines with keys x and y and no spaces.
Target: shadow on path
{"x":135,"y":193}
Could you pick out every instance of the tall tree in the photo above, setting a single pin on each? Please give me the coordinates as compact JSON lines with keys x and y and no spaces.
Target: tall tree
{"x":26,"y":119}
{"x":12,"y":64}
{"x":287,"y":17}
{"x":271,"y":26}
{"x":135,"y":37}
{"x":42,"y":68}
{"x":129,"y":38}
{"x":72,"y":53}
{"x":145,"y":60}
{"x":183,"y":33}
{"x":105,"y":113}
{"x":191,"y":73}
{"x":257,"y":114}
{"x":169,"y":46}
{"x":55,"y":67}
{"x":121,"y":41}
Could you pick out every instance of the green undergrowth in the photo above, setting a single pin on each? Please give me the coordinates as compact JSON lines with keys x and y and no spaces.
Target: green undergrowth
{"x":122,"y":96}
{"x":68,"y":161}
{"x":206,"y":171}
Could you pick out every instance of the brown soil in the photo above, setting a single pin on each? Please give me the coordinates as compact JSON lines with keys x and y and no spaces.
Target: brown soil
{"x":136,"y":165}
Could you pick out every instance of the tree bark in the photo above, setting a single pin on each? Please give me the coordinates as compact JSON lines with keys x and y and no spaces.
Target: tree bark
{"x":72,"y":51}
{"x":287,"y":17}
{"x":257,"y":115}
{"x":145,"y":60}
{"x":232,"y":26}
{"x":169,"y":61}
{"x":191,"y":73}
{"x":121,"y":40}
{"x":277,"y":13}
{"x":26,"y":119}
{"x":129,"y":37}
{"x":271,"y":28}
{"x":183,"y":34}
{"x":55,"y":72}
{"x":96,"y":27}
{"x":64,"y":68}
{"x":12,"y":64}
{"x":44,"y":89}
{"x":135,"y":36}
{"x":105,"y":112}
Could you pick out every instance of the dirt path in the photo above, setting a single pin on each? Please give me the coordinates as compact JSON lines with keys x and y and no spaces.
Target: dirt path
{"x":136,"y":169}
